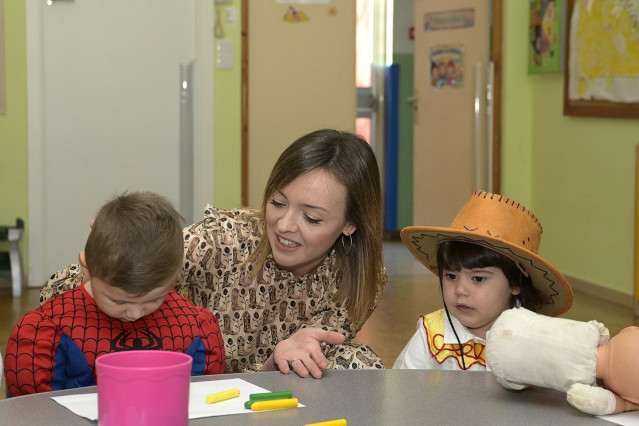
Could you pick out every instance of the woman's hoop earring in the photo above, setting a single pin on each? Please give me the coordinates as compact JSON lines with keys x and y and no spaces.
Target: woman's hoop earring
{"x":518,"y":302}
{"x":348,"y":249}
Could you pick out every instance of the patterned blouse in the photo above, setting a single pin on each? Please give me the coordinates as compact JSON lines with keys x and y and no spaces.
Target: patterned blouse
{"x":255,"y":312}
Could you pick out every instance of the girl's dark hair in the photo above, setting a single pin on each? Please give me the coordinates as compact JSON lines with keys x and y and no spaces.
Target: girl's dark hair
{"x":455,"y":255}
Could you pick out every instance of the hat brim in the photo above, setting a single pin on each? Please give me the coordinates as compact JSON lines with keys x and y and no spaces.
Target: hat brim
{"x":423,"y":242}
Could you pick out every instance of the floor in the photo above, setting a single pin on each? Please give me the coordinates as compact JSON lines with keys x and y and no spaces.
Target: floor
{"x":411,"y":291}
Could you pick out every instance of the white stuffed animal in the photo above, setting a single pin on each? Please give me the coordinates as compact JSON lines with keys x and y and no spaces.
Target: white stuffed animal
{"x":524,"y":348}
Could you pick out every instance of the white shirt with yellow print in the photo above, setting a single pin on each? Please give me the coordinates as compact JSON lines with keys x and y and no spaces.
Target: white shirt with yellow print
{"x":435,"y":347}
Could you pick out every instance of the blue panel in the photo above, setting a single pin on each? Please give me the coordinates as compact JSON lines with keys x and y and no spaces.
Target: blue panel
{"x":391,"y":156}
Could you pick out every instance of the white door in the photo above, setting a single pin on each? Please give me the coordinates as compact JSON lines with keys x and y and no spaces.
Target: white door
{"x":448,"y":165}
{"x":104,"y":113}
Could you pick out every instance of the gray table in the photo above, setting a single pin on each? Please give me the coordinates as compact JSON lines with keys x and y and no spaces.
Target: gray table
{"x":364,"y":397}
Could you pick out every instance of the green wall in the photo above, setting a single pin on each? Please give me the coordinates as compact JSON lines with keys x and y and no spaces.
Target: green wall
{"x":517,"y":93}
{"x":576,"y":174}
{"x":405,"y":136}
{"x":228,"y":120}
{"x":13,"y":125}
{"x":403,"y":55}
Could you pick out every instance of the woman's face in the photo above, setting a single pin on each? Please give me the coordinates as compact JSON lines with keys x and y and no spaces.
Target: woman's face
{"x":304,"y":219}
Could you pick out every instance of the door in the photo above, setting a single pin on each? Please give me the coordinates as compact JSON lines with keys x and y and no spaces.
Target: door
{"x":301,"y":74}
{"x":451,"y":155}
{"x":107,"y":80}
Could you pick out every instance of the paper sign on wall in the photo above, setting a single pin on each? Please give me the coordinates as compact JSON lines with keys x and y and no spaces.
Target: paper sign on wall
{"x":450,"y":19}
{"x":446,"y":65}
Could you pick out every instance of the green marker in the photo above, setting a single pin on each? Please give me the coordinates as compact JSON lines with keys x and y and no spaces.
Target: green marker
{"x":267,"y":396}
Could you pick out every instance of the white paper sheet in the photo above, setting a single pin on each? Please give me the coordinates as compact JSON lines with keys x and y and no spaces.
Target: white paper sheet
{"x":629,"y":418}
{"x":86,"y":405}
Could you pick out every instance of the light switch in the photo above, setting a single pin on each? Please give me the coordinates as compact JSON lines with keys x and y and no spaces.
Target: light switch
{"x":225,"y":54}
{"x":232,"y":15}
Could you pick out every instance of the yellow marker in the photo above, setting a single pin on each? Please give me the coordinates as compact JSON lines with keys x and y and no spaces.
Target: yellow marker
{"x":339,"y":422}
{"x":222,"y":396}
{"x":274,"y":404}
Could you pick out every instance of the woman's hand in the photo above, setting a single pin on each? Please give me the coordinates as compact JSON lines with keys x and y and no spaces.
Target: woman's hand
{"x":302,"y":352}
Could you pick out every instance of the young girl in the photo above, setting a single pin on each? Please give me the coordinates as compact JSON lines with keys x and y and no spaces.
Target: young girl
{"x":487,"y":262}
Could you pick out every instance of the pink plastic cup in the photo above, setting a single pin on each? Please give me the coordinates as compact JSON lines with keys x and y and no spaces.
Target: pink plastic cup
{"x":143,"y":388}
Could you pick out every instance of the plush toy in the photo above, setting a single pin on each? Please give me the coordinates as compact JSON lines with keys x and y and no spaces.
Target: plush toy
{"x":599,"y":374}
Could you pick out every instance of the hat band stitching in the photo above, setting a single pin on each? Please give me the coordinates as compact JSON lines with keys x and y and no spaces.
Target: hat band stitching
{"x":484,"y":194}
{"x":552,"y":292}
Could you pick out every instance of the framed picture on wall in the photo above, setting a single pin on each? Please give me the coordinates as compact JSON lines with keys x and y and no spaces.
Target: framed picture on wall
{"x":601,"y":76}
{"x":545,"y":47}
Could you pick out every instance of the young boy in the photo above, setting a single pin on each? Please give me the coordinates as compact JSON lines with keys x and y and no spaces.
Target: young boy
{"x":131,"y":260}
{"x":487,"y":263}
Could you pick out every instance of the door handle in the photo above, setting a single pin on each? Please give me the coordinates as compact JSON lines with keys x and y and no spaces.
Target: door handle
{"x":51,"y":2}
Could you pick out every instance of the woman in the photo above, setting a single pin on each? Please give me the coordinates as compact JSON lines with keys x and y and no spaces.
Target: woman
{"x":291,"y":284}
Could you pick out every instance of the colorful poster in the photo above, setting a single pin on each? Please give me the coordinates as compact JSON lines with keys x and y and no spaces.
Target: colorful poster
{"x":446,"y":65}
{"x":294,"y":16}
{"x":544,"y":47}
{"x":606,"y":67}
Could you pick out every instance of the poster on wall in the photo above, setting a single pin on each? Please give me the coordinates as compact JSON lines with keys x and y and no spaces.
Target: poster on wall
{"x":545,"y":36}
{"x":449,"y":19}
{"x":295,"y":16}
{"x":3,"y":87}
{"x":446,"y":65}
{"x":602,"y":72}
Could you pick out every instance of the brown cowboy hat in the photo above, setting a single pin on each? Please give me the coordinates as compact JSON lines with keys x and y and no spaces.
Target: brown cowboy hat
{"x":503,"y":225}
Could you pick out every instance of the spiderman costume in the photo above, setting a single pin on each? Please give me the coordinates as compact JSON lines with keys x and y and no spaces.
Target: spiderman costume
{"x":55,"y":346}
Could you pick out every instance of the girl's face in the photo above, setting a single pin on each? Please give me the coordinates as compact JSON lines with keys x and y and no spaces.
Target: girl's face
{"x":476,"y":297}
{"x":304,"y":219}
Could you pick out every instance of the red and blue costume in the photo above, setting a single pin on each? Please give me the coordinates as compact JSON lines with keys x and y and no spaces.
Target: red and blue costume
{"x":55,"y":346}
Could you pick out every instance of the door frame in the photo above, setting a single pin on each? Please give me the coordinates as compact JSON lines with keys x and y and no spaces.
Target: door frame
{"x":245,"y":97}
{"x":496,"y":57}
{"x":203,"y":146}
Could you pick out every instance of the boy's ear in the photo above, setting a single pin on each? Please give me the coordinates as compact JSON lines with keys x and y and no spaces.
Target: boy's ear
{"x":83,"y":267}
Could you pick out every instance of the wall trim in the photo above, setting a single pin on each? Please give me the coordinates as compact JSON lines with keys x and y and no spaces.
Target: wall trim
{"x":603,"y":293}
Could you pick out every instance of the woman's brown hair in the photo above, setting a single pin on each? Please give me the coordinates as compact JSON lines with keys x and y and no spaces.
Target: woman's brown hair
{"x":351,"y":161}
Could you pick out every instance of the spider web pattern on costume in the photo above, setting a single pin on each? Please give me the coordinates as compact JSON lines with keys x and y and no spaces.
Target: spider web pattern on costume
{"x":34,"y":350}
